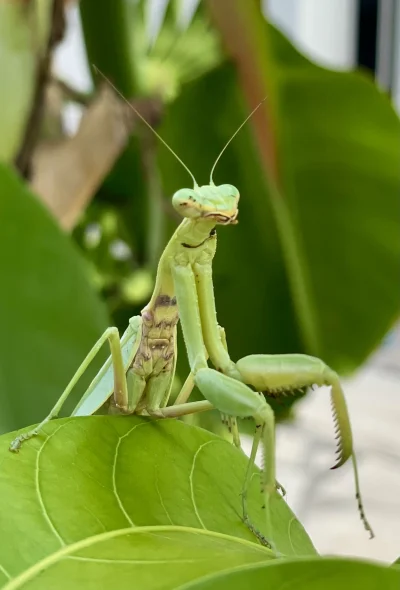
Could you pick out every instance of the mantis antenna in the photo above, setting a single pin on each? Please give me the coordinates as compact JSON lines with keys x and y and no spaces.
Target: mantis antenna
{"x":233,"y":136}
{"x":145,"y":122}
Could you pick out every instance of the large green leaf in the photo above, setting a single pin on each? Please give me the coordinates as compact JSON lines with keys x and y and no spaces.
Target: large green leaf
{"x":49,"y":314}
{"x":307,"y":574}
{"x":341,"y":155}
{"x":295,"y":274}
{"x":84,"y":476}
{"x":152,"y":557}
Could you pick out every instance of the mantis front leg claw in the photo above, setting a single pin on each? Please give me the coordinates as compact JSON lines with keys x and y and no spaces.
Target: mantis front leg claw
{"x":285,"y":373}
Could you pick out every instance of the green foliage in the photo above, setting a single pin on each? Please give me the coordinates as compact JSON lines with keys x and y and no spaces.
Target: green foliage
{"x":308,"y":574}
{"x":152,"y":557}
{"x":340,"y":151}
{"x":105,"y":501}
{"x":85,"y":477}
{"x":23,"y":34}
{"x":49,"y":314}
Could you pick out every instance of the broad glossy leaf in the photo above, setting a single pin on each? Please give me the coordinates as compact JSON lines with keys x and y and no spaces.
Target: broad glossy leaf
{"x":148,"y":557}
{"x":49,"y":314}
{"x":305,"y":574}
{"x":295,"y":274}
{"x":85,"y":476}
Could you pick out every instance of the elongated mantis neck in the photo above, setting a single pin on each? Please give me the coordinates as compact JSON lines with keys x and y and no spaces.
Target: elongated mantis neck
{"x":193,"y":232}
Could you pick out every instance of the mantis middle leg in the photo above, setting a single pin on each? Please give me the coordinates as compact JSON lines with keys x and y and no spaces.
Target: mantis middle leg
{"x":120,"y":385}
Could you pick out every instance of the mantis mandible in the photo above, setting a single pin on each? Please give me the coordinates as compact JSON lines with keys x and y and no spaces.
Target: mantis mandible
{"x":137,"y":377}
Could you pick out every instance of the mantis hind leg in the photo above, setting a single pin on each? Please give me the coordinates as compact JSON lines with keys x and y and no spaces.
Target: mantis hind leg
{"x":157,"y":390}
{"x":234,"y":398}
{"x":231,"y":423}
{"x":120,"y":386}
{"x":136,"y":384}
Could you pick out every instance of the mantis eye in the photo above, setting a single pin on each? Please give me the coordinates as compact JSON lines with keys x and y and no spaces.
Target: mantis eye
{"x":184,"y":201}
{"x":228,"y":190}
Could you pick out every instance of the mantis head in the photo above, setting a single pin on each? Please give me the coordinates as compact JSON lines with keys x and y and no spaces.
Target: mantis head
{"x":217,"y":203}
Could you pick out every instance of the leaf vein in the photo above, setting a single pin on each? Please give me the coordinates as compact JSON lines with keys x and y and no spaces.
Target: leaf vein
{"x":114,"y":469}
{"x":5,"y":572}
{"x":38,"y":490}
{"x":191,"y":481}
{"x":134,"y":561}
{"x":162,"y":501}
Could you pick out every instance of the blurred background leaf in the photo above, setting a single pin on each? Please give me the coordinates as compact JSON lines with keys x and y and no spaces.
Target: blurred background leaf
{"x":24,"y":31}
{"x":49,"y":314}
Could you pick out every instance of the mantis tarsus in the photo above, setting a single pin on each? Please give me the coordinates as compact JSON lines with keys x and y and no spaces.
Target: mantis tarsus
{"x":137,"y":377}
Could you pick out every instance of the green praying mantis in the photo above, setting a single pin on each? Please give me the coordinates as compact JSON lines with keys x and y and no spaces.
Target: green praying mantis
{"x":137,"y":377}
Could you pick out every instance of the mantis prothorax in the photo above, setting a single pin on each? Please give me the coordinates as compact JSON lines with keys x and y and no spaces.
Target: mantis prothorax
{"x":137,"y":377}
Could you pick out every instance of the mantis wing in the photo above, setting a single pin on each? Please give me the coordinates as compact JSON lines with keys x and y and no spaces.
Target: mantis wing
{"x":102,"y":386}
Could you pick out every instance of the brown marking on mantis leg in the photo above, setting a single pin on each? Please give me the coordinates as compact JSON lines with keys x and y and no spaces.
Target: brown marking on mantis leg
{"x":165,"y":301}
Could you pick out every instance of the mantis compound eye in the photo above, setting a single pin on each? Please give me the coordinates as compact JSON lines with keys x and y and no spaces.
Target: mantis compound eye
{"x":228,"y":191}
{"x":184,"y":201}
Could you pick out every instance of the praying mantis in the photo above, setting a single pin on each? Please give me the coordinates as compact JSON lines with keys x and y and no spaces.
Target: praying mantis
{"x":137,"y":377}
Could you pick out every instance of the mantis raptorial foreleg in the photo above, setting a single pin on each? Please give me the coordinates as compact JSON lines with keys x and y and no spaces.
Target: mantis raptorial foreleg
{"x":225,"y":388}
{"x":200,"y":322}
{"x":279,"y":374}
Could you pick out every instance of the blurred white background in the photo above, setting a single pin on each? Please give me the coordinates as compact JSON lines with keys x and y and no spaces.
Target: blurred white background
{"x":327,"y":31}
